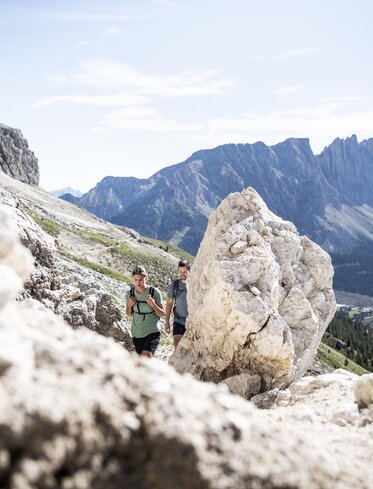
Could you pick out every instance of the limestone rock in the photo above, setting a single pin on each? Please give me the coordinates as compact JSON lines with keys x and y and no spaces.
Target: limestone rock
{"x":244,"y":385}
{"x":266,"y":400}
{"x":262,"y":311}
{"x":15,"y":260}
{"x":16,"y":159}
{"x":78,"y":411}
{"x":238,"y":247}
{"x":364,"y":391}
{"x":41,"y":245}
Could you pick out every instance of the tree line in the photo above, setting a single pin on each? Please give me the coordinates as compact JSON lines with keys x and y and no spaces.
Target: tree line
{"x":352,"y":338}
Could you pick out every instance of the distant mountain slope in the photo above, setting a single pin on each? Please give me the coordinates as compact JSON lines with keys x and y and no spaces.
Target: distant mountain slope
{"x":327,"y":196}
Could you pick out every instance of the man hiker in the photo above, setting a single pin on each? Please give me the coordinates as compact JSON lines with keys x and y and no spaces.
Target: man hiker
{"x":145,"y":306}
{"x":177,"y":303}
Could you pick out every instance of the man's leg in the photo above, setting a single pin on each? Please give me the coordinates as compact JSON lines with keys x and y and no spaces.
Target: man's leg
{"x":177,"y":338}
{"x":178,"y":330}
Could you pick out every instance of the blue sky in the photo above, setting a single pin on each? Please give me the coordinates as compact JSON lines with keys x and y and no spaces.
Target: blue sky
{"x":128,"y":87}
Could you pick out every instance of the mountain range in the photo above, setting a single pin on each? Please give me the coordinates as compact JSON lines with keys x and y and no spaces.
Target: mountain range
{"x":327,"y":196}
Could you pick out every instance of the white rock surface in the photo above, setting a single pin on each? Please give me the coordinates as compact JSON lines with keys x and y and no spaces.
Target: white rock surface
{"x":261,"y":309}
{"x":364,"y":391}
{"x":79,"y":412}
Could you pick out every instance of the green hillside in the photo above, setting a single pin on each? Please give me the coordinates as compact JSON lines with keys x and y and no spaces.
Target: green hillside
{"x":351,"y":338}
{"x":336,"y":360}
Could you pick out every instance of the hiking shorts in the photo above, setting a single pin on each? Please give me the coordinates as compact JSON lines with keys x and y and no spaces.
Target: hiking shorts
{"x":148,"y":343}
{"x":178,"y":329}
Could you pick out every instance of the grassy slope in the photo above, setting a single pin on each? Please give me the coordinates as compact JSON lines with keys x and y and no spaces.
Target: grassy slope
{"x":170,"y":248}
{"x":119,"y":257}
{"x":337,"y":360}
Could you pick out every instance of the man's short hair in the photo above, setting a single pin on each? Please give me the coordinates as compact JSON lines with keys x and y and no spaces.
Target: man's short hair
{"x":184,"y":263}
{"x":140,"y":271}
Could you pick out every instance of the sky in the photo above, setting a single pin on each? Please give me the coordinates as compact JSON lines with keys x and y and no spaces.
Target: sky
{"x":127,"y":87}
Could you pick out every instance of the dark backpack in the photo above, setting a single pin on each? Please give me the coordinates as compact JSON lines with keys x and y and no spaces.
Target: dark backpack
{"x":175,"y":293}
{"x":132,"y":294}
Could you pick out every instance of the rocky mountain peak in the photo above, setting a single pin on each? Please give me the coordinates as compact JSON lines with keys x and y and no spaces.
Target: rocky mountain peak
{"x":16,"y":159}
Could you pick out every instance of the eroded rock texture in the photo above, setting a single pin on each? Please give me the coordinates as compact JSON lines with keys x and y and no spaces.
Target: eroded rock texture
{"x":16,"y":159}
{"x":260,"y":298}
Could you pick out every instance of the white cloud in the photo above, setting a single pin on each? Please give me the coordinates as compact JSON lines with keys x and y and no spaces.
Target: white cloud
{"x":137,"y":91}
{"x":167,"y":3}
{"x":299,"y":52}
{"x":116,"y":100}
{"x":99,"y":130}
{"x":352,"y":98}
{"x":287,"y":90}
{"x":87,"y":16}
{"x":79,"y":44}
{"x":90,"y":15}
{"x":112,"y":32}
{"x":102,"y":73}
{"x":293,"y":53}
{"x":321,"y":123}
{"x":145,"y":119}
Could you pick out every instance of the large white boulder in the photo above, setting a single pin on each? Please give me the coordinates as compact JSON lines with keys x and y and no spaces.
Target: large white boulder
{"x":260,"y":298}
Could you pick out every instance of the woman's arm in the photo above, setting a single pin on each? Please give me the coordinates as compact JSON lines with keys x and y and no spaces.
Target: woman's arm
{"x":129,"y":307}
{"x":159,"y":311}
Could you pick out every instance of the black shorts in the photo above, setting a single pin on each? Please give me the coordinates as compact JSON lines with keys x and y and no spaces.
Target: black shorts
{"x":178,"y":329}
{"x":148,"y":343}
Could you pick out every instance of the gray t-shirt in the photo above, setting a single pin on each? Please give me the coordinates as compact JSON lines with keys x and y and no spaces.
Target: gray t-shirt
{"x":180,"y":299}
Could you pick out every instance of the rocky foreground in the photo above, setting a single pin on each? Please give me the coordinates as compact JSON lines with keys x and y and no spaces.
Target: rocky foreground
{"x":78,"y":411}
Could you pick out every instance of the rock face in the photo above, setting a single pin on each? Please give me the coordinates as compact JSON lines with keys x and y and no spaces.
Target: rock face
{"x":260,"y":298}
{"x":16,"y":159}
{"x":78,"y":411}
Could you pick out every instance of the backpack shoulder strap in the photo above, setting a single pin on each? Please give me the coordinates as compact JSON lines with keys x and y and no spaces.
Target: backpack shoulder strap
{"x":175,"y":290}
{"x":143,"y":314}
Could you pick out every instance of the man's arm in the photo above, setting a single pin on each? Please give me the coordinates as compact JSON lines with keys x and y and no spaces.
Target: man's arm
{"x":169,"y":304}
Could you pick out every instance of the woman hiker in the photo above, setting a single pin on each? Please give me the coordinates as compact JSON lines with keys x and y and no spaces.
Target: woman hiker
{"x":145,"y":306}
